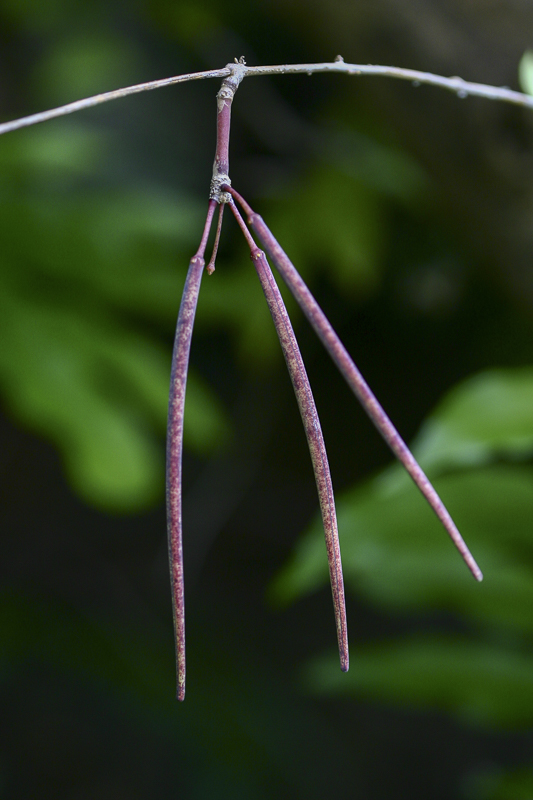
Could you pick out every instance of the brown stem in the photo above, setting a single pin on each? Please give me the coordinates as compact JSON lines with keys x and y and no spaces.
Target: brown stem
{"x":176,"y":406}
{"x":313,"y":432}
{"x":353,"y":377}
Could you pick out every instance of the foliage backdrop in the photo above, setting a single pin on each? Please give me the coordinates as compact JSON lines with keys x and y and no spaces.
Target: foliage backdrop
{"x":409,"y":213}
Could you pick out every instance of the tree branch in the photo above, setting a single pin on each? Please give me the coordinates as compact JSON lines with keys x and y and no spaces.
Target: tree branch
{"x":457,"y":85}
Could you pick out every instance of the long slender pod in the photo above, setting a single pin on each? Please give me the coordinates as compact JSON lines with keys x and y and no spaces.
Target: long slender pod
{"x":355,"y":380}
{"x":176,"y":408}
{"x":315,"y":440}
{"x":313,"y":431}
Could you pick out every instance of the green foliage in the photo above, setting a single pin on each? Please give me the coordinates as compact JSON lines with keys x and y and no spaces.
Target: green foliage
{"x":484,"y":418}
{"x":83,"y":271}
{"x":330,"y":218}
{"x":491,"y":784}
{"x":381,"y":169}
{"x":82,"y":64}
{"x":525,"y":72}
{"x":397,"y":557}
{"x":479,"y":682}
{"x":91,"y":269}
{"x":232,"y":299}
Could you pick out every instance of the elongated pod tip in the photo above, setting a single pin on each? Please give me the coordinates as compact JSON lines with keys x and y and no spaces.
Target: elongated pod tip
{"x":355,"y":380}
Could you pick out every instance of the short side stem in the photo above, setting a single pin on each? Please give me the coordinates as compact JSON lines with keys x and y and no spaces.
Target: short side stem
{"x":355,"y":380}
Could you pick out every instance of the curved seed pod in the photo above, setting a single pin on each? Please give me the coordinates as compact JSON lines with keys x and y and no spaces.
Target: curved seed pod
{"x":176,"y":407}
{"x":317,"y":449}
{"x":354,"y":379}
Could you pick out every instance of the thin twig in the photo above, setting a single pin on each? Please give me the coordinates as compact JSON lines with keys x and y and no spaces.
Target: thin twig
{"x":313,"y":432}
{"x":176,"y":408}
{"x":105,"y":97}
{"x":353,"y":377}
{"x":457,"y":85}
{"x":211,"y":266}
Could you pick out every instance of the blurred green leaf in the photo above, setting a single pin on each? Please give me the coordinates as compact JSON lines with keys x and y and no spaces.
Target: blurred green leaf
{"x":233,"y":299}
{"x":525,"y":72}
{"x":88,"y":384}
{"x":487,"y":416}
{"x":479,"y":683}
{"x":484,"y":418}
{"x":77,"y":267}
{"x":397,"y":554}
{"x":206,"y":425}
{"x":83,"y":63}
{"x":387,"y":170}
{"x":101,"y":392}
{"x":66,"y":149}
{"x":331,"y":220}
{"x":491,"y":784}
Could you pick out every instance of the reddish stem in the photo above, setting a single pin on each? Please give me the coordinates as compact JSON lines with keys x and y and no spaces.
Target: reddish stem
{"x":313,"y":432}
{"x":211,"y":266}
{"x":224,"y":100}
{"x":353,"y":377}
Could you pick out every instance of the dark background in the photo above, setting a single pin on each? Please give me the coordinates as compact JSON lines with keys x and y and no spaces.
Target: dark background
{"x":408,"y":210}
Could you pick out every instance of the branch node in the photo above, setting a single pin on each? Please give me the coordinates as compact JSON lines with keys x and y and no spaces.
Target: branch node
{"x":216,"y":192}
{"x":231,"y":83}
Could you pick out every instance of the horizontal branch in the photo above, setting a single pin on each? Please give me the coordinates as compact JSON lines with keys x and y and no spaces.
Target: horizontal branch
{"x":116,"y":94}
{"x":457,"y":85}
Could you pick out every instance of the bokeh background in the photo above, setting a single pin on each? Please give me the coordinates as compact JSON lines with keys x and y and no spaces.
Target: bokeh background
{"x":409,"y":212}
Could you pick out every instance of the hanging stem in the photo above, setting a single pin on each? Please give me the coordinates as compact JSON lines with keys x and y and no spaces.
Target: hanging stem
{"x":353,"y":377}
{"x":313,"y":432}
{"x":224,"y":100}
